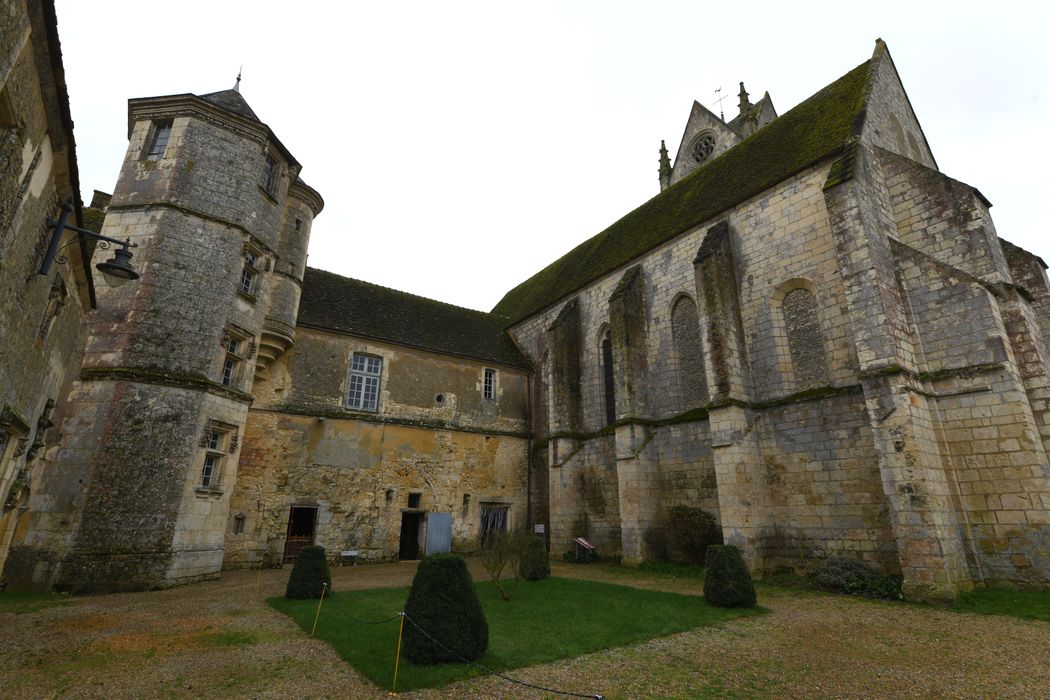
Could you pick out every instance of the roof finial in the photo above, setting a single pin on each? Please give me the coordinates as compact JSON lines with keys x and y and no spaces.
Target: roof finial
{"x":745,"y":104}
{"x":665,"y":167}
{"x":718,"y":101}
{"x":237,"y":85}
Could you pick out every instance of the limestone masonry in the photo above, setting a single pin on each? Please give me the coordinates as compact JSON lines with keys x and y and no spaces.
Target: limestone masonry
{"x":810,"y":333}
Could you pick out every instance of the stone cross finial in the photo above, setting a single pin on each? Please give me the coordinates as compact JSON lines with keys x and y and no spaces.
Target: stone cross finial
{"x":745,"y":104}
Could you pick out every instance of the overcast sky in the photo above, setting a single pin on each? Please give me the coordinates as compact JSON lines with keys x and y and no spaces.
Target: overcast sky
{"x":461,"y":147}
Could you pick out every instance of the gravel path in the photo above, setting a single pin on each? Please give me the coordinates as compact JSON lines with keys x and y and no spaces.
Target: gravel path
{"x":220,"y":640}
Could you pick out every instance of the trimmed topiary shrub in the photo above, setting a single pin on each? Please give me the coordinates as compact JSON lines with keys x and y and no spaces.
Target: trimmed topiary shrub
{"x":443,"y":602}
{"x":844,"y":575}
{"x":535,"y":564}
{"x":727,"y":582}
{"x":308,"y":574}
{"x":689,"y":532}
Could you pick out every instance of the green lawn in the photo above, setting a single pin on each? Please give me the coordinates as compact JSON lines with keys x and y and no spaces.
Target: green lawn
{"x":1030,"y":605}
{"x":545,"y":621}
{"x":21,"y":603}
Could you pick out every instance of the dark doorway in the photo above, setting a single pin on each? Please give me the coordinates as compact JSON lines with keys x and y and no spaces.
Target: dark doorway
{"x":302,"y":521}
{"x":410,"y":526}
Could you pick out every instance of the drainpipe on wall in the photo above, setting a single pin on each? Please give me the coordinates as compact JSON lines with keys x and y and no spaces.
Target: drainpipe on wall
{"x":528,"y":453}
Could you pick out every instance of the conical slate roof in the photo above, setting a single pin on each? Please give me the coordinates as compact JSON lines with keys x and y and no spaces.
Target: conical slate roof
{"x":233,"y":101}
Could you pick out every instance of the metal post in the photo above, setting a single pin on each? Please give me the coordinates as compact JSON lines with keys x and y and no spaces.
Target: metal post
{"x":397,"y":658}
{"x":56,"y":236}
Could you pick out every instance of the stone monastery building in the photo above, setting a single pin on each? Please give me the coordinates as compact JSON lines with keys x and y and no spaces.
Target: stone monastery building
{"x":810,"y":332}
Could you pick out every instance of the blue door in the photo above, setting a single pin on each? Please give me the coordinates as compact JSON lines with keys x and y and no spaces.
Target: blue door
{"x":439,"y":533}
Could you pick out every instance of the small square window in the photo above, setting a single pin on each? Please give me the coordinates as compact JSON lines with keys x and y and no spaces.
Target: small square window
{"x":493,"y":518}
{"x":414,"y":499}
{"x":238,"y":524}
{"x":159,"y":142}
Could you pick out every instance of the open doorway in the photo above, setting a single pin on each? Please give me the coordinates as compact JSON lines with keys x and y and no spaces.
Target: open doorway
{"x":411,"y":527}
{"x":302,"y":523}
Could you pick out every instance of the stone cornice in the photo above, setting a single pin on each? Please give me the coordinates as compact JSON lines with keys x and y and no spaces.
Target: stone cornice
{"x":423,"y":423}
{"x":187,"y":104}
{"x":164,"y":378}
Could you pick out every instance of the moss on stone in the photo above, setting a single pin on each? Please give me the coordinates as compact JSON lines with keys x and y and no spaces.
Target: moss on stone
{"x":986,"y":368}
{"x":815,"y":130}
{"x":815,"y":394}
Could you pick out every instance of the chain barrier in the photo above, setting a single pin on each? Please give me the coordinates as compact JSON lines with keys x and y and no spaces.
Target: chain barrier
{"x":486,"y":669}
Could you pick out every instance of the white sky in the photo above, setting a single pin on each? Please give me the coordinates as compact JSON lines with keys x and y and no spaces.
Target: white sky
{"x":460,"y":147}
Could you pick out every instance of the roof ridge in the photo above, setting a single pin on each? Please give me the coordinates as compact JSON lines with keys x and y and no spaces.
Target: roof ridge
{"x":813,"y":130}
{"x":407,"y":294}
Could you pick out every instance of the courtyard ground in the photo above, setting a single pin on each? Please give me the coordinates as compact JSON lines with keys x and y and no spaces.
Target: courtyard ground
{"x":220,"y":640}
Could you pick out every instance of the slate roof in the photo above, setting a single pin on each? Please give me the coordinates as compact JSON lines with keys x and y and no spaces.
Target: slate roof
{"x":811,"y":132}
{"x":233,"y":101}
{"x":337,"y":303}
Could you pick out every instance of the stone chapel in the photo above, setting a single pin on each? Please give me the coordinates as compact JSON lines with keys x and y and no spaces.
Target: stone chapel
{"x":810,"y":332}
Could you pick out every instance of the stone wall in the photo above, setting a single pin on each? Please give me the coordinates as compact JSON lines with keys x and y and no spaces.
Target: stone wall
{"x":40,"y":315}
{"x":433,"y":434}
{"x":824,"y":485}
{"x":359,"y":475}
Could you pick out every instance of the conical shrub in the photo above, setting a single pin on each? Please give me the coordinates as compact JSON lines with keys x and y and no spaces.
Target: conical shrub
{"x":534,"y":564}
{"x":443,"y":602}
{"x":309,"y":574}
{"x":727,"y":582}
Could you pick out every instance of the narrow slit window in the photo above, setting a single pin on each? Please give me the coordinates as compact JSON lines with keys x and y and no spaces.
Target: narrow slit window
{"x":489,"y":386}
{"x":159,"y":143}
{"x":607,"y":380}
{"x":271,"y":177}
{"x":249,"y":272}
{"x":214,"y":459}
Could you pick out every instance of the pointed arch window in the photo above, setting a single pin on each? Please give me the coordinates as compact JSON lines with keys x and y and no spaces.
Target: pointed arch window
{"x":685,"y":327}
{"x":608,"y":379}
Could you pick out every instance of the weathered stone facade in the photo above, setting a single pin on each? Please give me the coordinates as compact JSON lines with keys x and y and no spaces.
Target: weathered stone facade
{"x":874,"y":356}
{"x":433,"y":444}
{"x":41,"y":315}
{"x":811,"y":333}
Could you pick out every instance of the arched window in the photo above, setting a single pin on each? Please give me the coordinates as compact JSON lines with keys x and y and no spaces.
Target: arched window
{"x":804,"y":338}
{"x":685,"y":327}
{"x":607,"y":379}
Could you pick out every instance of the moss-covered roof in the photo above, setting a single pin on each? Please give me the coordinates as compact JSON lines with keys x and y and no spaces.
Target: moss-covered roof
{"x":811,"y":132}
{"x":337,"y":303}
